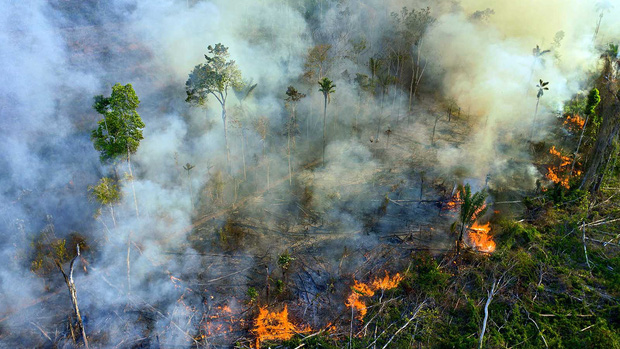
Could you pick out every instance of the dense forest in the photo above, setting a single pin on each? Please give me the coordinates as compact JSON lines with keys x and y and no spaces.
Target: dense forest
{"x":310,"y":174}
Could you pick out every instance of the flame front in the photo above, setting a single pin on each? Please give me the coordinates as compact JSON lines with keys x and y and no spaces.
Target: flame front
{"x":554,"y":172}
{"x":360,"y":289}
{"x":574,"y":123}
{"x":479,"y":236}
{"x":273,"y":326}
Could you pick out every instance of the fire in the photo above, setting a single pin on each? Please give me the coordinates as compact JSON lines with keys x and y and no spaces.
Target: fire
{"x":386,"y":283}
{"x":273,"y":326}
{"x":479,"y":236}
{"x":454,"y":202}
{"x":574,"y":122}
{"x":554,"y":172}
{"x":360,"y":289}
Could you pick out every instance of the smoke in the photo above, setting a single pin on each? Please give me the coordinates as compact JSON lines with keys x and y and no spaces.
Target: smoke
{"x":57,"y":55}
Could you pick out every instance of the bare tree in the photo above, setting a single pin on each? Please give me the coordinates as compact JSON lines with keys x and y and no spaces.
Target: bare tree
{"x":73,"y":293}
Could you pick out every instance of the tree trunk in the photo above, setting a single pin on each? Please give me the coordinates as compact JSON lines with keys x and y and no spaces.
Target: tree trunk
{"x":129,"y":263}
{"x":609,"y":109}
{"x":288,"y":149}
{"x":534,"y":122}
{"x":112,"y":214}
{"x":189,"y":185}
{"x":243,"y":151}
{"x":73,"y":293}
{"x":133,"y":189}
{"x":583,"y":130}
{"x":486,"y":313}
{"x":324,"y":118}
{"x":228,"y":169}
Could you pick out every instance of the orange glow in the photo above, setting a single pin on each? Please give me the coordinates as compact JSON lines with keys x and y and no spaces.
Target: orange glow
{"x":554,"y":172}
{"x":479,"y":236}
{"x":360,"y":289}
{"x":273,"y":326}
{"x":574,"y":122}
{"x":386,"y":283}
{"x":454,"y":202}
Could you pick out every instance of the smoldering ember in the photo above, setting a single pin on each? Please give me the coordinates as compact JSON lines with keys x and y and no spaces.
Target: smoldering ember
{"x":310,"y":174}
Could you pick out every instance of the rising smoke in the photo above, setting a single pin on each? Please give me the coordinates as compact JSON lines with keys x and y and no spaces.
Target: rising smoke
{"x":57,"y":55}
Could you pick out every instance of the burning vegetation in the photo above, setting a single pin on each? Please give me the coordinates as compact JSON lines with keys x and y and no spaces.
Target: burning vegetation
{"x":271,"y":168}
{"x":274,"y":326}
{"x":480,"y":238}
{"x":560,"y":170}
{"x":360,"y":290}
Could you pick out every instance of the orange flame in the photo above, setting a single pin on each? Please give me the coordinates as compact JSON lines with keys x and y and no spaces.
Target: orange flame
{"x":479,"y":236}
{"x":454,"y":202}
{"x":574,"y":122}
{"x":386,"y":283}
{"x":553,"y":173}
{"x":359,"y":290}
{"x":273,"y":326}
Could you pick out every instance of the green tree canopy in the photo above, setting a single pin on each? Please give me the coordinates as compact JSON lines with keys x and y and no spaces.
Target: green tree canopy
{"x":213,"y":77}
{"x":120,"y":131}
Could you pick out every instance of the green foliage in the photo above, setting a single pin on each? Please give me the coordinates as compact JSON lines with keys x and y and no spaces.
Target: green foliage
{"x":424,"y":276}
{"x":106,"y":192}
{"x":472,"y":206}
{"x":213,"y":77}
{"x":612,"y":50}
{"x":327,"y":87}
{"x":594,"y":98}
{"x":120,"y":131}
{"x":252,"y":294}
{"x":515,"y":235}
{"x":284,"y":260}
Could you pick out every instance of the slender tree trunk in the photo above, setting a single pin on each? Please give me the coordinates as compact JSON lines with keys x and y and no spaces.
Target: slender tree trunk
{"x":133,"y":189}
{"x":73,"y":293}
{"x":288,"y":150}
{"x":324,"y":120}
{"x":112,"y":215}
{"x":583,"y":130}
{"x":228,"y":169}
{"x":243,"y":151}
{"x":486,"y":313}
{"x":534,"y":122}
{"x":129,"y":263}
{"x":598,"y":25}
{"x":189,"y":185}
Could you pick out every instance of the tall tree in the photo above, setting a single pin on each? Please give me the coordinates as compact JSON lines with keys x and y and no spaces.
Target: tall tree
{"x":214,"y":78}
{"x":242,"y":93}
{"x":119,"y":133}
{"x":541,"y":91}
{"x":327,"y":87}
{"x":602,"y":7}
{"x":609,"y":110}
{"x":261,"y":125}
{"x":472,"y":207}
{"x":292,"y":98}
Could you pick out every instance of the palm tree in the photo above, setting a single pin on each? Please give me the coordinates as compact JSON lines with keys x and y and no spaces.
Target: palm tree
{"x":293,"y":97}
{"x":537,"y":53}
{"x":602,"y":7}
{"x":327,"y":87}
{"x":541,"y":88}
{"x":472,"y":207}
